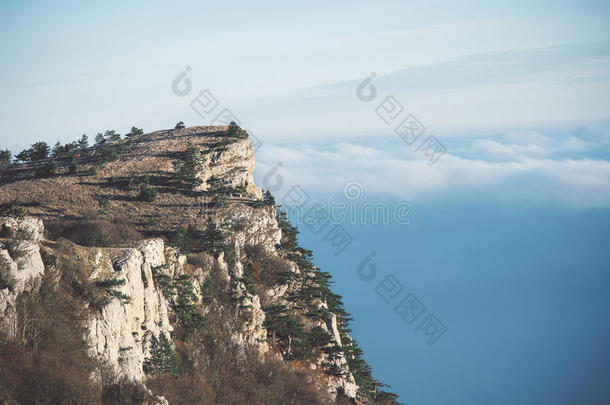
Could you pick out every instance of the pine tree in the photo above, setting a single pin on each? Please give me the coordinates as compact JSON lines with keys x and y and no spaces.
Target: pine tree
{"x":187,"y":168}
{"x":23,"y":156}
{"x":268,"y":199}
{"x":5,"y":159}
{"x":39,"y":151}
{"x":182,"y":239}
{"x":214,"y":238}
{"x":74,"y":166}
{"x":185,"y":305}
{"x":235,"y":131}
{"x":83,"y":143}
{"x":57,"y":151}
{"x":163,"y":359}
{"x":112,"y":136}
{"x":100,"y":139}
{"x":134,"y":135}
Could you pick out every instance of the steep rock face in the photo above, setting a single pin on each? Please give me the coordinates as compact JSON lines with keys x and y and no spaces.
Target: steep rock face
{"x":235,"y":164}
{"x":347,"y":383}
{"x":121,"y":332}
{"x":254,"y":227}
{"x":20,"y":261}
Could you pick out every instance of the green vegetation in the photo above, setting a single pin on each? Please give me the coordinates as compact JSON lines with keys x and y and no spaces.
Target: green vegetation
{"x":190,"y":319}
{"x":147,"y":193}
{"x":74,"y":165}
{"x":50,"y":169}
{"x":179,"y":125}
{"x":83,"y":144}
{"x":65,"y":152}
{"x":163,"y":359}
{"x":124,"y":298}
{"x":38,"y":151}
{"x":163,"y":281}
{"x":186,"y":169}
{"x":108,"y":146}
{"x":110,"y":282}
{"x":5,"y":160}
{"x":214,"y":238}
{"x":180,"y":293}
{"x":315,"y":284}
{"x":235,"y":131}
{"x":12,"y":209}
{"x":183,"y":239}
{"x":134,"y":136}
{"x":268,"y":199}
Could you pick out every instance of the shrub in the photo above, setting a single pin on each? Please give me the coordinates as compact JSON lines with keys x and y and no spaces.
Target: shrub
{"x":50,"y":169}
{"x":197,"y":260}
{"x":183,"y":239}
{"x":147,"y":193}
{"x":153,"y":221}
{"x":214,"y":238}
{"x":237,"y":375}
{"x":12,"y":209}
{"x":74,"y":166}
{"x":104,"y":204}
{"x":267,"y":268}
{"x":124,"y":392}
{"x":138,"y":180}
{"x":47,"y":362}
{"x":179,"y":125}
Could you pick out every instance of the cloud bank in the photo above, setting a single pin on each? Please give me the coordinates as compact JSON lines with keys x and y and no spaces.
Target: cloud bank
{"x":569,"y":169}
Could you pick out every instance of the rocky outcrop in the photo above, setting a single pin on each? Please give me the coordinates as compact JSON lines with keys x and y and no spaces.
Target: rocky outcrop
{"x":234,"y":163}
{"x":21,"y":264}
{"x":120,"y":334}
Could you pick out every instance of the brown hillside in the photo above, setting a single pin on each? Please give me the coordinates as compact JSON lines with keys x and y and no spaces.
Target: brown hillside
{"x":68,"y":196}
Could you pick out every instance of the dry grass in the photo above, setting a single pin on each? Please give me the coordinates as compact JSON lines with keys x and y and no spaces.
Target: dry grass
{"x":74,"y":196}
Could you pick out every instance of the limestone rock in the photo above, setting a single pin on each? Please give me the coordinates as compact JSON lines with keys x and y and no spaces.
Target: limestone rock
{"x":121,"y":332}
{"x":234,"y":164}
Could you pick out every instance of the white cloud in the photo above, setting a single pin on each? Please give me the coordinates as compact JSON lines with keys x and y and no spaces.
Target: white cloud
{"x":493,"y":170}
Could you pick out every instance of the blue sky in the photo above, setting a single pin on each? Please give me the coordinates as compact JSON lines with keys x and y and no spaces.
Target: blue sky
{"x":513,"y":250}
{"x":509,"y":87}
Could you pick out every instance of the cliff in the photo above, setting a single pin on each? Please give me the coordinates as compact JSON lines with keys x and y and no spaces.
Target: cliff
{"x":210,"y":269}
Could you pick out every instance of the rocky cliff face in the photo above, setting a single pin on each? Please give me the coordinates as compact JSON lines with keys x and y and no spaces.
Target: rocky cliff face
{"x":121,"y":332}
{"x":20,"y":263}
{"x":137,"y":311}
{"x":235,"y":163}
